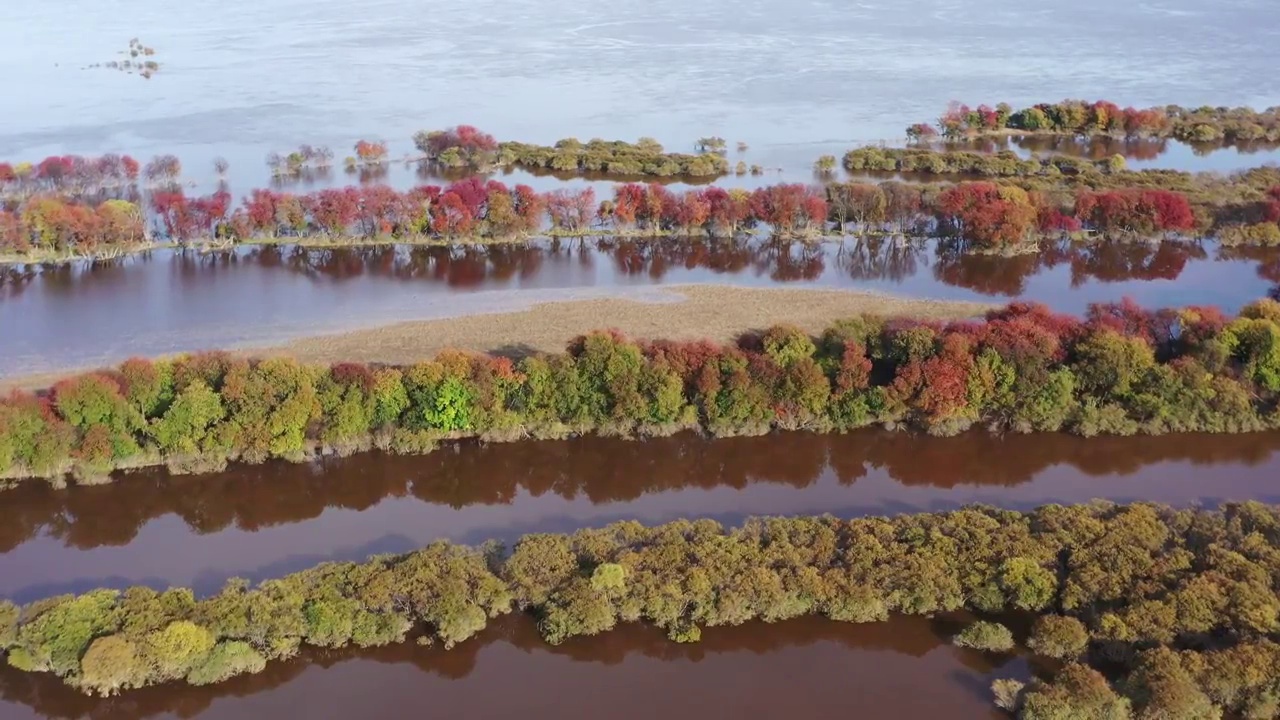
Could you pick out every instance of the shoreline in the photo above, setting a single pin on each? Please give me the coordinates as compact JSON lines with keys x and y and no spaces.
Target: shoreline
{"x":675,"y":312}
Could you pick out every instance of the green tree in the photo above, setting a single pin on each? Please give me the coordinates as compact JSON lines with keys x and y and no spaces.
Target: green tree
{"x":58,"y":634}
{"x":1026,"y":584}
{"x":189,"y":424}
{"x":987,"y":636}
{"x":175,"y":650}
{"x":226,"y":660}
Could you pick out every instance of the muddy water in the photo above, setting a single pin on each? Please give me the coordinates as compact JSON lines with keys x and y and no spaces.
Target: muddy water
{"x":904,"y":669}
{"x":263,"y":521}
{"x":72,"y":316}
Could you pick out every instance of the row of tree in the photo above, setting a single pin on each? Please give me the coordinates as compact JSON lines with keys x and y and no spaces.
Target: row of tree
{"x":1180,"y":606}
{"x":985,"y":215}
{"x":1243,"y":207}
{"x":467,"y":209}
{"x":466,"y":147}
{"x":1080,"y":117}
{"x":77,"y":174}
{"x":1120,"y":370}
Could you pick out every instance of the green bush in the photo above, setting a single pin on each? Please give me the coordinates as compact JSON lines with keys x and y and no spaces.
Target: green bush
{"x":226,"y":660}
{"x":986,"y":636}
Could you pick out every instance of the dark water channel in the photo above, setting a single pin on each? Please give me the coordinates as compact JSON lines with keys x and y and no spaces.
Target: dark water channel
{"x":904,"y":669}
{"x":72,"y":316}
{"x":261,"y":521}
{"x":267,"y":520}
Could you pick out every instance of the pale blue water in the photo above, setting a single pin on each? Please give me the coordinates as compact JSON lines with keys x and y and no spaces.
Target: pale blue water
{"x":794,"y":79}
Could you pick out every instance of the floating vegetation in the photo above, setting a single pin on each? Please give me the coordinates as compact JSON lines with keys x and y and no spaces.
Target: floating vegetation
{"x":135,"y":62}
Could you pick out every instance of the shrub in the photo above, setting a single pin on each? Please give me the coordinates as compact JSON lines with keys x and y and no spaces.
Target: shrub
{"x":111,"y":664}
{"x":226,"y":660}
{"x":1059,"y":637}
{"x":1075,"y":692}
{"x":986,"y":636}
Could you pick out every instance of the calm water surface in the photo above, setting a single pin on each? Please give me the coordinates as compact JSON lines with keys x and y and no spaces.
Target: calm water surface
{"x":267,"y":520}
{"x":904,"y":669}
{"x":73,"y":316}
{"x":793,"y":79}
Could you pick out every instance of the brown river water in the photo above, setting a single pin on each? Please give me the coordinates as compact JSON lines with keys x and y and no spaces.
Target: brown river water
{"x":904,"y":669}
{"x":262,"y":521}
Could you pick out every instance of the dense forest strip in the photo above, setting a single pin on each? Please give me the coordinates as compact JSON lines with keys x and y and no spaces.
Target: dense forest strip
{"x":1119,"y":370}
{"x":1178,"y":607}
{"x":1029,"y":200}
{"x":1082,"y":118}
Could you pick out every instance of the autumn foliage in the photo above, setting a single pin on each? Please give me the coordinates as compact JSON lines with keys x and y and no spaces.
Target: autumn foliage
{"x":988,"y":214}
{"x":1134,"y":210}
{"x":1120,"y":370}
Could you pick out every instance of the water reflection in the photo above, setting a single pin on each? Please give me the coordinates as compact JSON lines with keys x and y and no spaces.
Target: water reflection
{"x":169,"y":301}
{"x":904,"y":668}
{"x":615,"y":260}
{"x":1140,"y":153}
{"x":264,"y":520}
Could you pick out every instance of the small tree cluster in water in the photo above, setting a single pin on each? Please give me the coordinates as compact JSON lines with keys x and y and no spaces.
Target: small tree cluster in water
{"x":67,"y":175}
{"x":1179,"y":607}
{"x":1065,"y":193}
{"x":1122,"y":370}
{"x":1083,"y":118}
{"x":467,"y":147}
{"x":134,"y":63}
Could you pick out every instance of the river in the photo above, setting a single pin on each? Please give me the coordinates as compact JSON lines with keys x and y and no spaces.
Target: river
{"x":262,"y":521}
{"x":904,"y":669}
{"x":92,"y":314}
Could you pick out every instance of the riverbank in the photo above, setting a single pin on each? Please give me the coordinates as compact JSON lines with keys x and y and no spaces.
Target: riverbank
{"x":679,"y":312}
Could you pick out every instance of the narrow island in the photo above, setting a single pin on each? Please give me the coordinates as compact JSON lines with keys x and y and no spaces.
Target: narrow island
{"x":1120,"y":370}
{"x":1136,"y":609}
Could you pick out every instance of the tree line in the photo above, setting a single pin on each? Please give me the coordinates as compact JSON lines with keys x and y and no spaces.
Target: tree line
{"x":466,"y":147}
{"x":987,"y":214}
{"x":1119,"y":370}
{"x":1102,"y":117}
{"x":1178,"y":607}
{"x":1068,"y":193}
